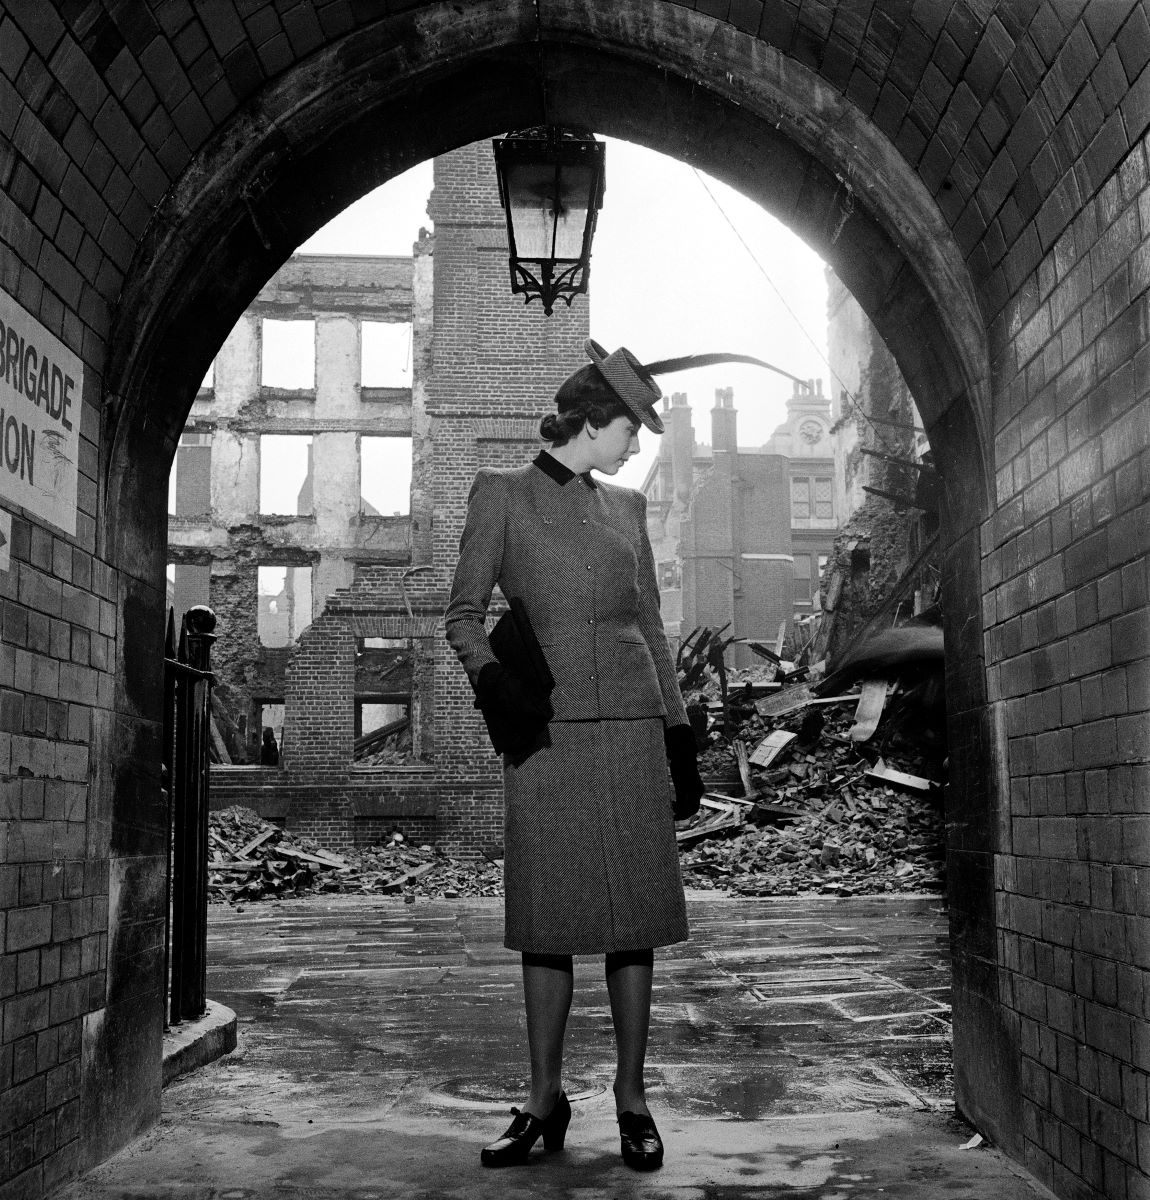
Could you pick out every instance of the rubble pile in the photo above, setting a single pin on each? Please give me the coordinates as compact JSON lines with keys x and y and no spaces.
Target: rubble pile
{"x":253,"y":859}
{"x":824,"y":784}
{"x":829,"y":786}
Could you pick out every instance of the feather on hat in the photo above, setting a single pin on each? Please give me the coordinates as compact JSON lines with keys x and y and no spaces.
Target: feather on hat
{"x":634,"y":382}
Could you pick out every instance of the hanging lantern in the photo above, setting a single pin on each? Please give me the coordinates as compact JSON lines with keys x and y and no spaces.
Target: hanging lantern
{"x":551,"y":184}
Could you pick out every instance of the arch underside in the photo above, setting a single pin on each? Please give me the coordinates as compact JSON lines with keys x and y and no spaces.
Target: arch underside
{"x":370,"y":107}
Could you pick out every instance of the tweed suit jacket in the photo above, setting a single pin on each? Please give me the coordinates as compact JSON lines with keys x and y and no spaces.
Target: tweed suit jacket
{"x":576,"y":552}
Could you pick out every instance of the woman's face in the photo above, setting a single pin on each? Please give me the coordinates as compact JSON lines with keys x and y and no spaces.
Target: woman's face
{"x":614,"y":444}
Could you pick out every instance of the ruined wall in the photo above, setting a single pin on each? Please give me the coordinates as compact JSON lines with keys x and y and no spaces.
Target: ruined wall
{"x":329,"y":530}
{"x":877,"y":437}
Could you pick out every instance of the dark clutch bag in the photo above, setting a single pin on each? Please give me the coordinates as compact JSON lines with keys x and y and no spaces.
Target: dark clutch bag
{"x":514,"y":643}
{"x":517,"y":708}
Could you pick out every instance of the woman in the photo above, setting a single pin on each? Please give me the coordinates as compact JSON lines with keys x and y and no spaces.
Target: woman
{"x":591,"y":863}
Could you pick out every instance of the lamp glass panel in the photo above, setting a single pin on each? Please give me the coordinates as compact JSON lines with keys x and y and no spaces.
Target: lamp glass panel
{"x":530,"y":187}
{"x":575,"y":182}
{"x":544,"y":228}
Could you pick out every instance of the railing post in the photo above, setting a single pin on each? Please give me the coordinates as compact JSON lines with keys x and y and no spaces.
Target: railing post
{"x":189,"y":666}
{"x":166,"y":772}
{"x":200,"y":621}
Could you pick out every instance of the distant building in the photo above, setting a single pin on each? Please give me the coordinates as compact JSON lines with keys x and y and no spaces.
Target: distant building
{"x":740,"y":534}
{"x":806,"y":441}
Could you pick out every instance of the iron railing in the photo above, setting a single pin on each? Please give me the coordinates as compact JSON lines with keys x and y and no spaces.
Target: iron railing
{"x":187,"y":741}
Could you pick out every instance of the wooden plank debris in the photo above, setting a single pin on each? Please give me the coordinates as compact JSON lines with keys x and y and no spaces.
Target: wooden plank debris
{"x":218,"y":743}
{"x":791,"y":699}
{"x":401,"y":881}
{"x":903,"y":779}
{"x":749,"y":788}
{"x":897,"y":498}
{"x":322,"y":859}
{"x":256,"y":842}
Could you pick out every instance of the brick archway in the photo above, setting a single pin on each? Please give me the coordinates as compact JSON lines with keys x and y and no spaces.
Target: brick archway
{"x":978,"y":180}
{"x":747,"y":113}
{"x":322,"y":136}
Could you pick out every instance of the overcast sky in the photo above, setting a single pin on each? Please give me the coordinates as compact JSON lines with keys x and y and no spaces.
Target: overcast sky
{"x":681,"y":264}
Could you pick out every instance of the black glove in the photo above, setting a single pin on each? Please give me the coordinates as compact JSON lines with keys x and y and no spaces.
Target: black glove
{"x":682,"y":754}
{"x":515,"y":713}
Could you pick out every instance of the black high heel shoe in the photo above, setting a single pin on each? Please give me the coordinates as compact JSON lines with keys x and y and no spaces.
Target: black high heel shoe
{"x":639,"y":1141}
{"x":515,"y":1145}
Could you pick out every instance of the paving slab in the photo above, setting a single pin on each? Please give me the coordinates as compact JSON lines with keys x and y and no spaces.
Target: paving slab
{"x":799,"y":1048}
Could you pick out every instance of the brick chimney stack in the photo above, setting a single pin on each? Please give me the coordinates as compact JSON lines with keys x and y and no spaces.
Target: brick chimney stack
{"x":724,"y":434}
{"x":681,"y":435}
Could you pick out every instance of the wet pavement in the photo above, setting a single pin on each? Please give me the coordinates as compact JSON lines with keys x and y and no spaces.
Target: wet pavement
{"x":799,"y":1048}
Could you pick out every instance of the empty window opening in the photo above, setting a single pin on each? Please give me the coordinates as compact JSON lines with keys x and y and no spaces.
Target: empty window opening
{"x":382,"y":643}
{"x":271,"y":724}
{"x":374,"y":715}
{"x":385,"y":476}
{"x":382,"y":730}
{"x":190,"y":479}
{"x":802,"y":579}
{"x":384,"y":685}
{"x":285,"y":474}
{"x":188,"y":584}
{"x":287,"y":357}
{"x":385,"y":349}
{"x":284,"y":604}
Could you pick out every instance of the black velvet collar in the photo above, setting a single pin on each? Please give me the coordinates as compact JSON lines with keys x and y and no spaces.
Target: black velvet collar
{"x":553,"y":468}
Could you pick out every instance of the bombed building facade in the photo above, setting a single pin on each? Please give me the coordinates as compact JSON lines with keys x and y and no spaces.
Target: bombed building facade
{"x":301,"y":513}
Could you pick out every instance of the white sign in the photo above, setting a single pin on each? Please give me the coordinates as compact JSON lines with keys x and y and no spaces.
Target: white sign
{"x":41,"y":382}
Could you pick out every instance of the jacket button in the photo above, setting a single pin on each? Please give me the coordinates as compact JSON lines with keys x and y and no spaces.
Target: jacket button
{"x":583,"y":521}
{"x":590,"y":620}
{"x":591,"y":677}
{"x":588,"y":566}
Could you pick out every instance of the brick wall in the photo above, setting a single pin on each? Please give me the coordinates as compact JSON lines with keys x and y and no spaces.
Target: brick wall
{"x":147,"y":192}
{"x":60,"y":628}
{"x":1067,"y":635}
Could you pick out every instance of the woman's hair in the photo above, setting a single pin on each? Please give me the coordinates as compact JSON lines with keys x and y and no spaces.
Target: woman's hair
{"x":583,"y":397}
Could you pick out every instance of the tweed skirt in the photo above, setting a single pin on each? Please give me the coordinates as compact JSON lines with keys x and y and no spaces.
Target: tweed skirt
{"x":590,"y":859}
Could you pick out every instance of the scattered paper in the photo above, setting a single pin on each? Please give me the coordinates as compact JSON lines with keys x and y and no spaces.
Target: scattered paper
{"x":771,"y":747}
{"x":869,"y":709}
